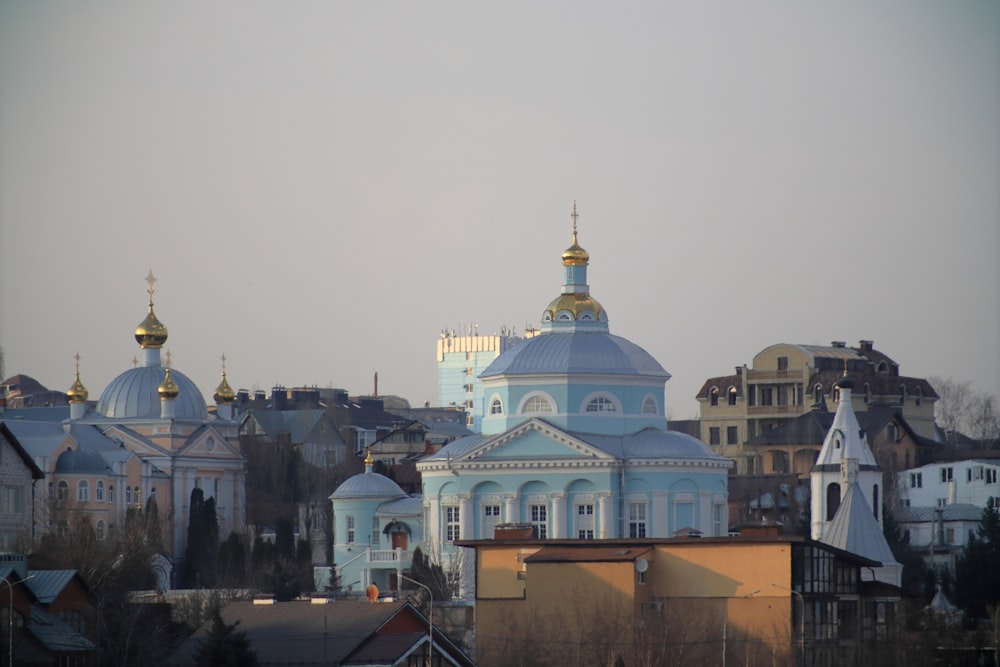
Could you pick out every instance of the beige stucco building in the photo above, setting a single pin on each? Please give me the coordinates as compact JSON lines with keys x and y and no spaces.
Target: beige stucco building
{"x":786,"y":381}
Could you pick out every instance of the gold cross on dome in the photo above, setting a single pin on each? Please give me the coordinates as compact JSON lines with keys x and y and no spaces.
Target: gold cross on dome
{"x":77,"y":357}
{"x":150,"y":279}
{"x":574,"y":215}
{"x":168,"y":359}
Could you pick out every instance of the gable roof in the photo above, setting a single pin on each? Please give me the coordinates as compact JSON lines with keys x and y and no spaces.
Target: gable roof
{"x":302,"y":633}
{"x":8,"y":435}
{"x":55,"y":635}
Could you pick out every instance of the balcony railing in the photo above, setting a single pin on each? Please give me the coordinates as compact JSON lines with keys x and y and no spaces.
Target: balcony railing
{"x":791,"y":375}
{"x":758,"y":410}
{"x":383,"y":556}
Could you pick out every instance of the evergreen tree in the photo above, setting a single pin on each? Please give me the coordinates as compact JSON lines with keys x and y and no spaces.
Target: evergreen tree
{"x":201,"y":554}
{"x":225,"y":646}
{"x":431,"y":575}
{"x":284,"y":538}
{"x":977,"y":575}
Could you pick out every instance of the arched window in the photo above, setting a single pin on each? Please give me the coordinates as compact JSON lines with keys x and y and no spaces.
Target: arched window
{"x":63,"y":490}
{"x":732,"y":396}
{"x":496,"y":407}
{"x":601,"y":404}
{"x":101,"y":531}
{"x":713,"y":396}
{"x":537,"y":404}
{"x":99,"y":492}
{"x":832,"y":500}
{"x":83,"y":491}
{"x":875,"y":501}
{"x":882,"y":367}
{"x":128,"y":495}
{"x":649,"y":406}
{"x":111,"y":493}
{"x":818,"y":393}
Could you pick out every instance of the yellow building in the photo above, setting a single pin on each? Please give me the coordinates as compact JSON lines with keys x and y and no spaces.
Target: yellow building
{"x":681,"y":601}
{"x":786,"y":380}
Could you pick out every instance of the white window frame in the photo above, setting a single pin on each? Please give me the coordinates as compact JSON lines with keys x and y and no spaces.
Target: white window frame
{"x":452,"y":523}
{"x":99,"y":491}
{"x":351,"y":530}
{"x":537,"y":403}
{"x":538,"y":513}
{"x":638,"y":521}
{"x":83,"y":491}
{"x":584,"y":526}
{"x":601,"y":403}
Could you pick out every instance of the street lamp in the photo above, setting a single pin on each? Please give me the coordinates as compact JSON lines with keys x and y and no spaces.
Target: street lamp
{"x":10,"y":618}
{"x":430,"y":620}
{"x":802,"y":621}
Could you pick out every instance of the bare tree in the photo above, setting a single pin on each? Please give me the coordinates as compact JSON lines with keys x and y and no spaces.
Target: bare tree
{"x":953,"y":405}
{"x":984,"y":419}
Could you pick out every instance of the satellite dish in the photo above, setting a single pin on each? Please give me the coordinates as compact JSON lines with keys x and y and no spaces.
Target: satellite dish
{"x":371,"y":592}
{"x":641,"y":564}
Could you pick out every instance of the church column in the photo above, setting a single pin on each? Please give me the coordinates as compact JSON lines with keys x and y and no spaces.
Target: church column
{"x":432,"y":506}
{"x":466,"y":517}
{"x":605,"y":526}
{"x":558,"y":515}
{"x":511,"y":515}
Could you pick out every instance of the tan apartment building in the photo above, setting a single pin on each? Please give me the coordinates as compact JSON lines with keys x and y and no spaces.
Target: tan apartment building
{"x":787,"y":380}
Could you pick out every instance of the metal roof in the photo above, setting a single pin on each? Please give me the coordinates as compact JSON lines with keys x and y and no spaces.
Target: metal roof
{"x":133,"y":395}
{"x":579,"y":352}
{"x":48,"y":584}
{"x":955,"y":512}
{"x":368,"y":485}
{"x":855,"y":529}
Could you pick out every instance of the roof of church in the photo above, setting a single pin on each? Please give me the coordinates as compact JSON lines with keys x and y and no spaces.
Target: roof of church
{"x":649,"y":443}
{"x":133,"y":395}
{"x":855,"y":529}
{"x":368,"y":485}
{"x":580,"y":352}
{"x":845,"y":439}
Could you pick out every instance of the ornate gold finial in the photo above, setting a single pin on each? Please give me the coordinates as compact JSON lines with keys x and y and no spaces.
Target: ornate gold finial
{"x":369,"y":461}
{"x":77,"y":393}
{"x":224,"y":393}
{"x":575,"y":255}
{"x":150,"y":333}
{"x":169,"y":363}
{"x":168,"y":389}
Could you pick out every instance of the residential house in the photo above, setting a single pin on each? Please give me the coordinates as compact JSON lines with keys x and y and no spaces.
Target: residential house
{"x":334,"y":632}
{"x":786,"y":380}
{"x":18,"y":474}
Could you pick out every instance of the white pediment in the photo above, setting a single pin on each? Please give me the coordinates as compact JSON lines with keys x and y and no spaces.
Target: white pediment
{"x":534,"y":439}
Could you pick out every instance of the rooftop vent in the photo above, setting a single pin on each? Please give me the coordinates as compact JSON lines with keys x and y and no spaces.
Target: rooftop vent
{"x":838,"y":343}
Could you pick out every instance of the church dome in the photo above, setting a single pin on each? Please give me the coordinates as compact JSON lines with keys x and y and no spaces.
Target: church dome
{"x":575,"y":255}
{"x":368,"y":485}
{"x":578,"y":306}
{"x":135,"y":395}
{"x":77,"y":393}
{"x":168,"y":388}
{"x":224,"y":393}
{"x":578,"y":353}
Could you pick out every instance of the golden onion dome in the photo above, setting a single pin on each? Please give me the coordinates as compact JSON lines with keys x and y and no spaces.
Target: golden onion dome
{"x":224,"y":393}
{"x":168,"y":388}
{"x":575,"y":255}
{"x":77,"y":393}
{"x":151,"y":333}
{"x":577,"y":304}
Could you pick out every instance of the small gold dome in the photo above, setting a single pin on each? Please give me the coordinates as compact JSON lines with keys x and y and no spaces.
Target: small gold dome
{"x":575,"y":255}
{"x":577,"y":304}
{"x":168,"y":388}
{"x":224,"y":393}
{"x":77,"y":393}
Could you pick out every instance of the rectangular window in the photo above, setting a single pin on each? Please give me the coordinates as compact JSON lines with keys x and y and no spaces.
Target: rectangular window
{"x":451,"y":523}
{"x":637,"y":519}
{"x":766,"y":395}
{"x":539,"y":519}
{"x":942,"y":502}
{"x":350,"y":530}
{"x":491,"y":517}
{"x":782,"y":363}
{"x":732,"y":435}
{"x":714,"y":435}
{"x":375,"y":532}
{"x":585,"y":522}
{"x":13,"y":500}
{"x":991,"y":475}
{"x":947,"y":474}
{"x":949,"y":535}
{"x":718,"y":512}
{"x":916,"y":480}
{"x":82,"y":491}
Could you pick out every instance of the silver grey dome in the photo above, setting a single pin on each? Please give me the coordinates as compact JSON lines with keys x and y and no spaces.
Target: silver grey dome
{"x":587,"y":352}
{"x":133,"y":395}
{"x":368,"y":485}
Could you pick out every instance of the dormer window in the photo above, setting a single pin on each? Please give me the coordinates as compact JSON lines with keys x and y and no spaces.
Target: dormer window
{"x":496,"y":407}
{"x":732,"y":396}
{"x":882,"y":367}
{"x":649,"y":406}
{"x":713,"y":396}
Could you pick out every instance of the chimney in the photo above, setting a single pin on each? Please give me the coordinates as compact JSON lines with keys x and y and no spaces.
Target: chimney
{"x":375,"y":394}
{"x":838,"y":343}
{"x":279,"y":398}
{"x":866,"y":345}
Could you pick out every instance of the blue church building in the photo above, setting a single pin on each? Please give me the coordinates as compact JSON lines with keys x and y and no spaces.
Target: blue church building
{"x":574,"y":442}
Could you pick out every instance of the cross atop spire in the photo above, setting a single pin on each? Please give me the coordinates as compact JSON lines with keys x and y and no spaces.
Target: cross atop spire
{"x":574,"y":215}
{"x":77,"y":357}
{"x":168,"y":359}
{"x":223,"y":363}
{"x":150,"y":279}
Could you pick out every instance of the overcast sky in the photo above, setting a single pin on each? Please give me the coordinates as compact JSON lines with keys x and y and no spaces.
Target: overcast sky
{"x":321,"y":187}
